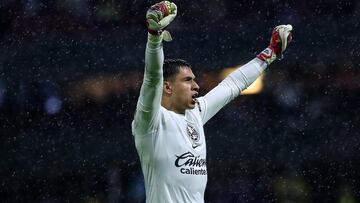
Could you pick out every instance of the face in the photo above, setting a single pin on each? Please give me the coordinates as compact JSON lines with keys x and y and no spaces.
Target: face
{"x":184,"y":90}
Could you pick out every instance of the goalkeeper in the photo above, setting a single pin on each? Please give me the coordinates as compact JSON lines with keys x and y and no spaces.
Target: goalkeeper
{"x":169,"y":117}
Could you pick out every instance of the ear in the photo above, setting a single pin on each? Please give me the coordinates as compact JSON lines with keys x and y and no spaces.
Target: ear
{"x":167,"y":88}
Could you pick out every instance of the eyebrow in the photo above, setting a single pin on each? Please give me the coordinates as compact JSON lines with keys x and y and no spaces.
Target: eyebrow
{"x":189,"y":78}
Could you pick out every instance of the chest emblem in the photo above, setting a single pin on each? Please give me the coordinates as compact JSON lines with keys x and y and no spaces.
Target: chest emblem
{"x":192,"y":133}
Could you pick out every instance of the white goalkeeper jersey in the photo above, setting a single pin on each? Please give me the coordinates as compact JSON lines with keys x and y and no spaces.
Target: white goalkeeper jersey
{"x":171,"y":146}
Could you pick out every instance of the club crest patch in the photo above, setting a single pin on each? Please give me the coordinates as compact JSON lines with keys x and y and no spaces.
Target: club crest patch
{"x":192,"y":133}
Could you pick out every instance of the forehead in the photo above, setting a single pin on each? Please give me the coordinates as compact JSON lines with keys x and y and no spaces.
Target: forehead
{"x":185,"y":71}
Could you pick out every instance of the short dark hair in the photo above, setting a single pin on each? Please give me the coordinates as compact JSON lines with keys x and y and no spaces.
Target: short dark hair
{"x":172,"y":66}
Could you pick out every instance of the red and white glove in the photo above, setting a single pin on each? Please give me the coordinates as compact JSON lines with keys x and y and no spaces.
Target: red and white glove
{"x":159,"y":16}
{"x":280,"y":39}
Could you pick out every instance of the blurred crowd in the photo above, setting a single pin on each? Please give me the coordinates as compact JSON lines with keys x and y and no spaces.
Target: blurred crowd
{"x":70,"y":72}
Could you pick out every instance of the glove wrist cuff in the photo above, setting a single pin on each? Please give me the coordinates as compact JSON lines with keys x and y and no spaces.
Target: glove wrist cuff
{"x":155,"y":32}
{"x":268,"y":55}
{"x":155,"y":39}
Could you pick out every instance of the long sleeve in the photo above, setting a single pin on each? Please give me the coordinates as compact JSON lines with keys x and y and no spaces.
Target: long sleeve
{"x":230,"y":88}
{"x":149,"y":102}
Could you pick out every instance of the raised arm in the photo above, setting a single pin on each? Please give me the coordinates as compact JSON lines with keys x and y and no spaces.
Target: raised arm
{"x":148,"y":105}
{"x":245,"y":75}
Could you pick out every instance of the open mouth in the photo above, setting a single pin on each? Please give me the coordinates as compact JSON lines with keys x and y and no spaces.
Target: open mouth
{"x":194,"y":96}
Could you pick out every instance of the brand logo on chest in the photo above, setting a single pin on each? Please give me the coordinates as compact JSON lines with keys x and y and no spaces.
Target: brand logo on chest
{"x":192,"y":133}
{"x":191,"y":164}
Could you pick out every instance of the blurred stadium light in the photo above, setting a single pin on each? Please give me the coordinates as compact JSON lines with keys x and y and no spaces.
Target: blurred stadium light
{"x":255,"y":88}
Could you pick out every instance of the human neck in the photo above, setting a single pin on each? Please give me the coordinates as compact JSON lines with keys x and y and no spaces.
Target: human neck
{"x":169,"y":106}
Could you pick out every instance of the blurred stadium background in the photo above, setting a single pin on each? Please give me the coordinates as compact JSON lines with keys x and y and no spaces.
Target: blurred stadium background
{"x":70,"y":72}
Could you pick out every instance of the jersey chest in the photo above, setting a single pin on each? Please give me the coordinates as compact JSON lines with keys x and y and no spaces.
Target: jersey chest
{"x":184,"y":152}
{"x":183,"y":134}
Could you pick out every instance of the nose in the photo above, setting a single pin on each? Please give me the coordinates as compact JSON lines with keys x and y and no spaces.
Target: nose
{"x":195,"y":86}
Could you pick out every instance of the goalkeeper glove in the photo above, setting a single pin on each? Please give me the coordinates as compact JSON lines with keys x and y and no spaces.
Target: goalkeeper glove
{"x":280,"y":39}
{"x":159,"y":16}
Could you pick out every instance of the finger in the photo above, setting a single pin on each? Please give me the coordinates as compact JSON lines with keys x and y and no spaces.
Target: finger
{"x":153,"y":25}
{"x":288,"y":27}
{"x":173,"y":9}
{"x":285,"y":33}
{"x":166,"y":21}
